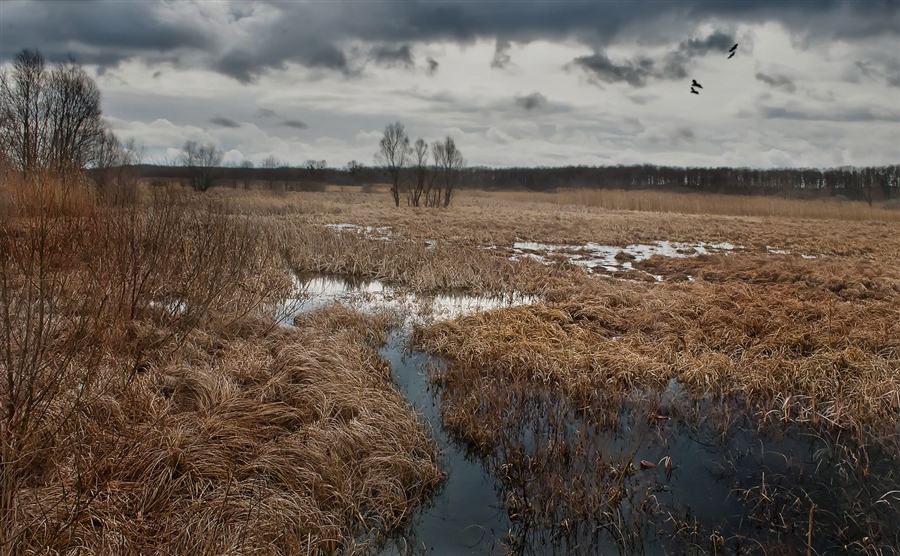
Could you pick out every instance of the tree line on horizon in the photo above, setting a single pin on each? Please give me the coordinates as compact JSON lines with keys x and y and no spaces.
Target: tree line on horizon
{"x":871,"y":184}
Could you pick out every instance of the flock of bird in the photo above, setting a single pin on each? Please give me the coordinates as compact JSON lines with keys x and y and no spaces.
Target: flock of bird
{"x":732,"y":50}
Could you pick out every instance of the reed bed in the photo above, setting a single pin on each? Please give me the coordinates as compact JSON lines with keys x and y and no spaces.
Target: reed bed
{"x":795,"y":339}
{"x":414,"y":263}
{"x":760,"y":343}
{"x":150,"y":404}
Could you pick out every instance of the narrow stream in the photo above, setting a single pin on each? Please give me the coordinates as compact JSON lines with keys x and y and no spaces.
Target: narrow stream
{"x":465,"y":515}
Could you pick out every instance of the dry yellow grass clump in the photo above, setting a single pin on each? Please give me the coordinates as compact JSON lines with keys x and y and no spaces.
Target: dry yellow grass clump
{"x":786,"y":338}
{"x":756,"y":355}
{"x":150,"y":404}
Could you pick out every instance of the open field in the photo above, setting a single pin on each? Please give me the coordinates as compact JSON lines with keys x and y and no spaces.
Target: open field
{"x":167,"y":411}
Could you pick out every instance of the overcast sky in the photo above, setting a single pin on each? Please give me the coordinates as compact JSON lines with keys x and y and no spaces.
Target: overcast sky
{"x":514,"y":83}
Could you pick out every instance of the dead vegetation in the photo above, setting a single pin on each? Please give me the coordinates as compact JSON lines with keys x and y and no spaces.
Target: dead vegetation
{"x":149,"y":403}
{"x":559,"y":397}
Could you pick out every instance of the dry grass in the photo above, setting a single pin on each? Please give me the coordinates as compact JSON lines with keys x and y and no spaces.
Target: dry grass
{"x":150,"y":404}
{"x":766,"y":342}
{"x":723,"y":205}
{"x":795,"y":340}
{"x":480,"y":219}
{"x":167,"y":412}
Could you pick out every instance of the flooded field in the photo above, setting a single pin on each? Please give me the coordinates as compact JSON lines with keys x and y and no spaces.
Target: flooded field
{"x":656,"y":472}
{"x":327,"y":373}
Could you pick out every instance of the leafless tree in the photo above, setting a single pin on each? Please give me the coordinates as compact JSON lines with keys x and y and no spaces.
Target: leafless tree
{"x":394,"y":155}
{"x":354,"y":168}
{"x":246,"y":166}
{"x":448,"y":161}
{"x":203,"y":163}
{"x":113,"y":169}
{"x":420,"y":165}
{"x":73,"y":107}
{"x":21,"y":121}
{"x":48,"y":120}
{"x":269,"y":165}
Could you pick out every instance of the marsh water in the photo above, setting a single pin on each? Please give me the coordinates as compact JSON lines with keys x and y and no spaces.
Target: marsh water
{"x":666,"y":477}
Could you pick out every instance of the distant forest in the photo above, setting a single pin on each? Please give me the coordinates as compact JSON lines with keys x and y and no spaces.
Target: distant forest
{"x":870,"y":184}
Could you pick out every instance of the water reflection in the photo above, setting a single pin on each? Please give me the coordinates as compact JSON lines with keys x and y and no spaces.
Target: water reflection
{"x":465,"y":516}
{"x":314,"y":291}
{"x":639,"y":476}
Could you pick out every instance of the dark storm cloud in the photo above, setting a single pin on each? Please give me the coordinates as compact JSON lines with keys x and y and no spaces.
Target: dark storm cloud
{"x":96,"y":32}
{"x":782,"y":82}
{"x":247,"y":40}
{"x":531,"y":102}
{"x":684,"y":134}
{"x":601,"y":68}
{"x":638,"y":71}
{"x":393,"y":56}
{"x":837,"y":115}
{"x":432,"y":65}
{"x":501,"y":55}
{"x":295,"y":123}
{"x":224,"y":122}
{"x":675,"y":64}
{"x":887,"y":70}
{"x":246,"y":66}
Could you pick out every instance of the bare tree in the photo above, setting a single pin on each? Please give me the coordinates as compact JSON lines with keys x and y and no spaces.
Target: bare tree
{"x":354,"y":168}
{"x":269,"y":165}
{"x":48,"y":121}
{"x":73,"y":108}
{"x":246,"y":166}
{"x":448,"y":161}
{"x":314,"y":167}
{"x":420,"y":164}
{"x":203,"y":163}
{"x":113,"y":169}
{"x":394,"y":155}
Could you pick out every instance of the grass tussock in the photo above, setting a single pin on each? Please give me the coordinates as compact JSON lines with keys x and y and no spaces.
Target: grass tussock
{"x":150,"y":404}
{"x":412,"y":262}
{"x":793,"y":339}
{"x":559,"y":397}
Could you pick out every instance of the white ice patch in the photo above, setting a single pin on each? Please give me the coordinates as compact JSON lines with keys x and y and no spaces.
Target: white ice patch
{"x":382,"y":233}
{"x":595,"y":256}
{"x":379,"y":233}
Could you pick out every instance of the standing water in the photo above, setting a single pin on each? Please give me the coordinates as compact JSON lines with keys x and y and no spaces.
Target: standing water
{"x":465,"y":516}
{"x":683,"y":488}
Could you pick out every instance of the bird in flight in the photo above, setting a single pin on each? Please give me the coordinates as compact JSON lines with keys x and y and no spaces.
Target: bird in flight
{"x":693,"y":91}
{"x":695,"y":84}
{"x":733,"y":51}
